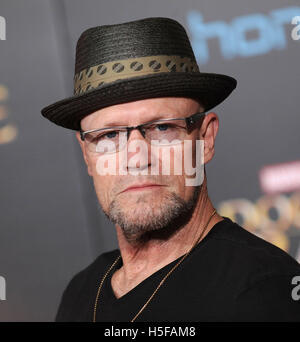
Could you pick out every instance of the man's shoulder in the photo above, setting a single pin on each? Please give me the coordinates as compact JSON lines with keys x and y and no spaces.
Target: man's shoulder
{"x":78,"y":297}
{"x":89,"y":275}
{"x":261,"y":275}
{"x":96,"y":268}
{"x":252,"y":252}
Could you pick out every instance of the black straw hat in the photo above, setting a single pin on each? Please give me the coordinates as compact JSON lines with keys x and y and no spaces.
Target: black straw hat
{"x":132,"y":61}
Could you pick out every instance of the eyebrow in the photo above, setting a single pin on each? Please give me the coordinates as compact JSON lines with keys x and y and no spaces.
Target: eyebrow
{"x":117,"y":123}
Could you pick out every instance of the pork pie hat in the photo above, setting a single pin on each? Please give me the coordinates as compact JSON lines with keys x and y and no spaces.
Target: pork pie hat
{"x":137,"y":60}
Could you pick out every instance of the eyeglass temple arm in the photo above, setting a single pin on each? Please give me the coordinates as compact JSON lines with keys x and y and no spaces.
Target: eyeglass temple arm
{"x":82,"y":134}
{"x":194,"y":118}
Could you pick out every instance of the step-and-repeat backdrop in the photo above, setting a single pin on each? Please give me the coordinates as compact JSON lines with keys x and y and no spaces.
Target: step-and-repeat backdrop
{"x":51,"y":224}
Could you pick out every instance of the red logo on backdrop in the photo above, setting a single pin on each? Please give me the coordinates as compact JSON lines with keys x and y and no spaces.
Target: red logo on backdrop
{"x":278,"y":178}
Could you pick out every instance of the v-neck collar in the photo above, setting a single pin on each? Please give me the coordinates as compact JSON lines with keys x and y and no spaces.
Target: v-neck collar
{"x":162,"y":271}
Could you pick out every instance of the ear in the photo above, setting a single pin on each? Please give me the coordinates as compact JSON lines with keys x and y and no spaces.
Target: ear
{"x":85,"y":154}
{"x":208,"y":133}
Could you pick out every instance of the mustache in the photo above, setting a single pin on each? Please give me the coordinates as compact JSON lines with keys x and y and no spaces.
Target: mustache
{"x":121,"y":183}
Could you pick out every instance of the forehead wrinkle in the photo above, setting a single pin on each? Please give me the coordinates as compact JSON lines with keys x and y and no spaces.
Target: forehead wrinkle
{"x":140,"y":119}
{"x":158,"y":116}
{"x":139,"y":113}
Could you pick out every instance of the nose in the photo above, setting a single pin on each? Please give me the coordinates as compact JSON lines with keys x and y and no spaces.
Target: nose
{"x":137,"y":130}
{"x":142,"y":160}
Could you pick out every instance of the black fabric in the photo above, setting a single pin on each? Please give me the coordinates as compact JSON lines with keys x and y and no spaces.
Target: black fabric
{"x":232,"y":275}
{"x":208,"y":88}
{"x":144,"y":37}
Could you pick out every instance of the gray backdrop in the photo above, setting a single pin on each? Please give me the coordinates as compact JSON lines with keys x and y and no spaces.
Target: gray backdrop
{"x":51,"y":223}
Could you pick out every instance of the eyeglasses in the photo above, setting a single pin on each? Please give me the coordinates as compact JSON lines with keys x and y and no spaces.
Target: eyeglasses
{"x":158,"y":132}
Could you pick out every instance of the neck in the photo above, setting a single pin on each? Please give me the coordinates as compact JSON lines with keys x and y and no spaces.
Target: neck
{"x":140,"y":261}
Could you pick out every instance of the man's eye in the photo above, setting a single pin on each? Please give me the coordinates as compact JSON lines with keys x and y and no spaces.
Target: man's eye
{"x":163,"y":127}
{"x":166,"y":127}
{"x":108,"y":135}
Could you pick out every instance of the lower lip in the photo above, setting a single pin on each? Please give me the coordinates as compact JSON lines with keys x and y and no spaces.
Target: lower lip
{"x":150,"y":187}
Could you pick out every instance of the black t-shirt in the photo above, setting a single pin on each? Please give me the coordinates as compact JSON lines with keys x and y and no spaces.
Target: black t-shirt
{"x":231,"y":275}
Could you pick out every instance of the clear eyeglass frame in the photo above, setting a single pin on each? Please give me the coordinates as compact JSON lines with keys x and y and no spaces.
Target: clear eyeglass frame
{"x":189,"y":124}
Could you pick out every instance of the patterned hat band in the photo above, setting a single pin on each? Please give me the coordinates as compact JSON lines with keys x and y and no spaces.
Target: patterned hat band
{"x":98,"y":75}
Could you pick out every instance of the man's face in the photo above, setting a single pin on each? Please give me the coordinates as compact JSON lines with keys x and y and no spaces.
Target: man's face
{"x":150,"y":208}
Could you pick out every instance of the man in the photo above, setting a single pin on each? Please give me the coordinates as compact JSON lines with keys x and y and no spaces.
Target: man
{"x":178,"y":260}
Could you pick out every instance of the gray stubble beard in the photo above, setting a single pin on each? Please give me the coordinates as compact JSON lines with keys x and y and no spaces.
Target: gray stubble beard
{"x":158,"y":222}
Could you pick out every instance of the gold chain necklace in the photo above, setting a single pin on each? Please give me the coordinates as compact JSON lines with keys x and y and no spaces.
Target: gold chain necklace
{"x":159,"y":285}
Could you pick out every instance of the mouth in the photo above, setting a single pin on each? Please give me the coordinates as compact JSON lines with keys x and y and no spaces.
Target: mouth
{"x":142,"y":187}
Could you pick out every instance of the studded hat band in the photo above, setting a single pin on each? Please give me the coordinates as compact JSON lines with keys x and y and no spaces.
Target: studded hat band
{"x":98,"y":75}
